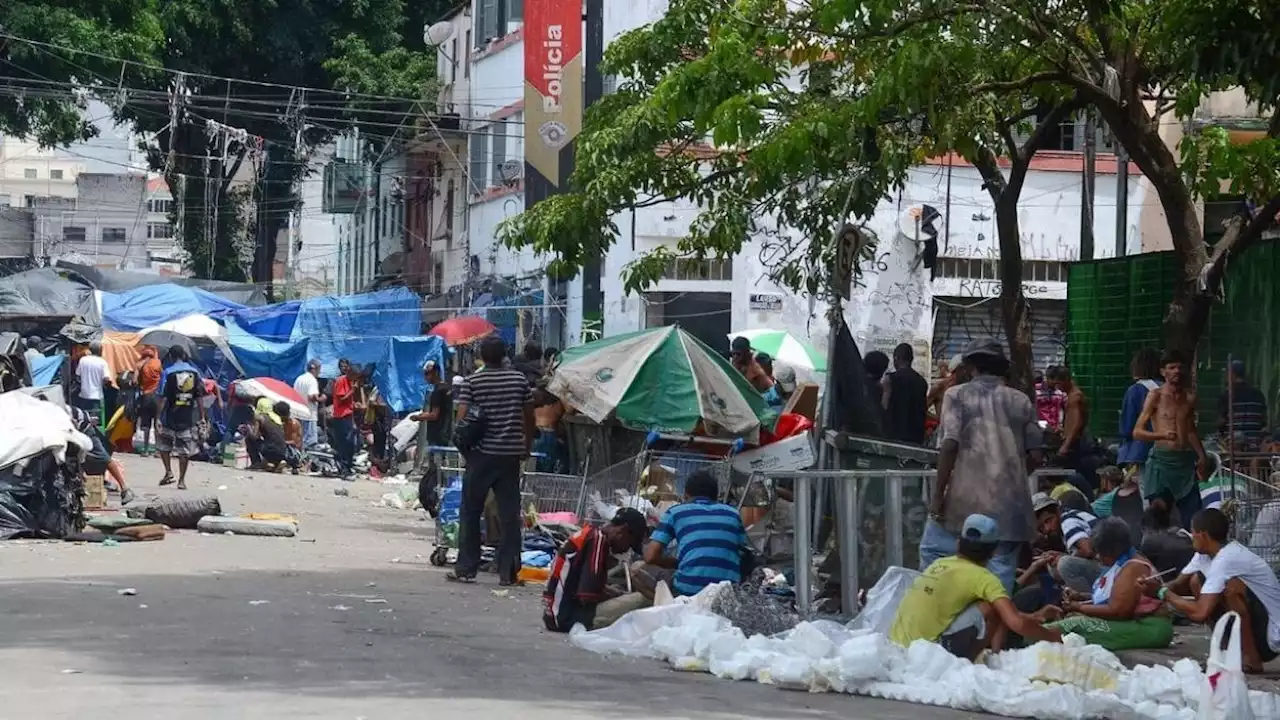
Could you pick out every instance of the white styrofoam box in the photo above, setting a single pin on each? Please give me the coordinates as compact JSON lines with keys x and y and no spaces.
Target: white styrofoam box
{"x":793,"y":453}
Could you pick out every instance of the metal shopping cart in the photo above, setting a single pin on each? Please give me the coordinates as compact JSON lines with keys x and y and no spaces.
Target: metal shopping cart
{"x":442,"y":480}
{"x":547,"y":492}
{"x":1253,"y":506}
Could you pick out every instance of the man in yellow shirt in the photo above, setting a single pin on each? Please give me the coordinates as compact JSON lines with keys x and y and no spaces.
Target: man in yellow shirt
{"x":961,"y":605}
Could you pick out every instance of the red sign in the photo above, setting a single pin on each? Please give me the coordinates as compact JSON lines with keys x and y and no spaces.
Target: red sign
{"x":553,"y":67}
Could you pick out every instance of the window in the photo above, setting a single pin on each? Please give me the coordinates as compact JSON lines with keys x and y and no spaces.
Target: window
{"x":479,"y":149}
{"x":694,"y":269}
{"x":113,"y":235}
{"x":28,"y":200}
{"x":55,"y":174}
{"x":30,"y":174}
{"x":989,"y":269}
{"x":466,"y":57}
{"x":73,"y":234}
{"x":159,"y":231}
{"x":437,"y":276}
{"x":495,"y":19}
{"x":156,"y":205}
{"x":499,"y":152}
{"x":1068,"y":136}
{"x":448,"y":208}
{"x":453,"y":60}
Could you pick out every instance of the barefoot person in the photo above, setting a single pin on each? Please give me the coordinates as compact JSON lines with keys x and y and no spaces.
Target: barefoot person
{"x":1227,"y":576}
{"x":1177,"y":462}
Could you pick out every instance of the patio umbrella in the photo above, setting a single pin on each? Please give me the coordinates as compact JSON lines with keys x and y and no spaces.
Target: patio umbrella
{"x":165,"y":339}
{"x":785,"y":348}
{"x":463,"y":330}
{"x":661,"y":379}
{"x":278,"y":391}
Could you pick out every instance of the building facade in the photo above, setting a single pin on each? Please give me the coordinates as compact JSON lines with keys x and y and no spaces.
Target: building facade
{"x":113,"y":221}
{"x":28,"y":171}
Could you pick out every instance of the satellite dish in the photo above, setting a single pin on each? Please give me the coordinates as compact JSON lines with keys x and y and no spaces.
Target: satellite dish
{"x":438,"y":34}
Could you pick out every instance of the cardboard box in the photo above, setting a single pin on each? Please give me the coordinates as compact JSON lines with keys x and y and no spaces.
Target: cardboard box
{"x":793,"y":453}
{"x":95,"y":492}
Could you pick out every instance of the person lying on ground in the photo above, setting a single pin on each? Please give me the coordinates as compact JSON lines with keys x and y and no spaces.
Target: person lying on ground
{"x":1226,"y":576}
{"x":1077,"y":568}
{"x":577,"y":590}
{"x":1120,"y":614}
{"x":709,"y":535}
{"x":960,"y":604}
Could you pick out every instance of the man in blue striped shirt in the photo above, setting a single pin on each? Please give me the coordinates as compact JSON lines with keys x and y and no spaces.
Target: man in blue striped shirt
{"x":709,"y":536}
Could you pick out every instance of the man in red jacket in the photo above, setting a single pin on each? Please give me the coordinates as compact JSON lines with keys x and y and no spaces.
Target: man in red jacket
{"x":578,"y":584}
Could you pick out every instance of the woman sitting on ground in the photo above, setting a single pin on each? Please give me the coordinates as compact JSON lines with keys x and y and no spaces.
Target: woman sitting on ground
{"x":1121,"y":614}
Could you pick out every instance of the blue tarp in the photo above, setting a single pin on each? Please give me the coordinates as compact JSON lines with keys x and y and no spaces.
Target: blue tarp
{"x":399,"y":375}
{"x":356,"y":327}
{"x":263,"y":358}
{"x":43,"y":369}
{"x":273,"y":323}
{"x":152,"y":305}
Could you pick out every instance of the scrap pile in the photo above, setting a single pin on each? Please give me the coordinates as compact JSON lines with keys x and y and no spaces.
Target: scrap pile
{"x":41,"y":487}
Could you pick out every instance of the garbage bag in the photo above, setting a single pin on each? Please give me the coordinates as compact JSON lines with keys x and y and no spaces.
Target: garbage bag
{"x":632,"y":633}
{"x":42,"y":497}
{"x":1225,"y":692}
{"x":883,"y":600}
{"x":183,"y":513}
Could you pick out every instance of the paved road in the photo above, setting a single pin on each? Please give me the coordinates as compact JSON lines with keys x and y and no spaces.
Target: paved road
{"x":238,"y":627}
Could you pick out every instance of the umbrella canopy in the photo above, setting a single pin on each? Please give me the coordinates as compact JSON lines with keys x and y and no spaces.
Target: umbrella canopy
{"x":165,"y":339}
{"x":661,"y":379}
{"x":278,"y":391}
{"x":462,"y":330}
{"x":197,"y":327}
{"x":785,"y":348}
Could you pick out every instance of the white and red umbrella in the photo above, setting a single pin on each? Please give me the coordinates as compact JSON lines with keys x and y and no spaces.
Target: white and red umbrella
{"x":278,"y":391}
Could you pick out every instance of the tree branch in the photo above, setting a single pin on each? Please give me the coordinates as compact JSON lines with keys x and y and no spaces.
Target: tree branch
{"x":1238,"y":238}
{"x":1022,"y":83}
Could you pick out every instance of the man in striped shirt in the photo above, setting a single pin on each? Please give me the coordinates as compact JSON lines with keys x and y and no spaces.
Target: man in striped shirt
{"x":1077,"y":569}
{"x":504,"y":402}
{"x":709,"y":536}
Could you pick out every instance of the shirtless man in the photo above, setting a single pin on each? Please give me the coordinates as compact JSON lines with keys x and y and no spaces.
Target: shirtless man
{"x":547,"y":411}
{"x":1178,"y":461}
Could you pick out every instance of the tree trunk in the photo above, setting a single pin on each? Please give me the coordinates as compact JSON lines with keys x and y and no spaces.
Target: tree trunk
{"x":1013,"y":301}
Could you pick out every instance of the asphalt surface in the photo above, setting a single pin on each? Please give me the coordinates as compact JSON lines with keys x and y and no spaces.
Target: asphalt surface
{"x":346,"y":621}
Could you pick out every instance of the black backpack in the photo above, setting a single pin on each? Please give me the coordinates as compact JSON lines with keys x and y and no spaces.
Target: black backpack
{"x":469,"y":431}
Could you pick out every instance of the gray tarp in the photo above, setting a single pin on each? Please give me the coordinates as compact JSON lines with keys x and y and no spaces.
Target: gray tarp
{"x":118,"y":281}
{"x":47,"y":294}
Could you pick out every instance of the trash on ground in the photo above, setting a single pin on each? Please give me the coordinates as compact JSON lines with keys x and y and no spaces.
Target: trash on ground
{"x":183,"y":512}
{"x":341,"y":492}
{"x":127,"y":591}
{"x":110,"y":542}
{"x":259,"y":602}
{"x":70,"y":671}
{"x":342,"y":608}
{"x":501,"y":593}
{"x":376,"y":601}
{"x":222,"y":487}
{"x":247,"y":526}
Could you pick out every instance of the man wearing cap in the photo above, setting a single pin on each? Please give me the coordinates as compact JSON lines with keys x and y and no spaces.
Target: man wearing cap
{"x":308,"y":386}
{"x":959,"y":604}
{"x":744,"y":361}
{"x":577,"y":589}
{"x":989,"y":443}
{"x":1073,"y":529}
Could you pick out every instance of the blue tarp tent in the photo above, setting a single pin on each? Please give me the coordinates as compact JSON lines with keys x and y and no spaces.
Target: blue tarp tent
{"x":44,"y":369}
{"x":283,"y":361}
{"x":273,"y":323}
{"x":356,"y":327}
{"x":152,"y":305}
{"x":399,"y":376}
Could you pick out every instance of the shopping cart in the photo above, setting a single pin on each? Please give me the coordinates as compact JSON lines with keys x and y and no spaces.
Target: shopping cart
{"x":1253,"y":506}
{"x":442,"y":479}
{"x":658,"y":474}
{"x":545,"y":492}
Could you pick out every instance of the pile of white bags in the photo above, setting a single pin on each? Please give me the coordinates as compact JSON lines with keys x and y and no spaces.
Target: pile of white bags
{"x":823,"y":656}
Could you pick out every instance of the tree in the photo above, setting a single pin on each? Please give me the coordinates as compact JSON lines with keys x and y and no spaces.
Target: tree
{"x":244,"y":65}
{"x":36,"y":102}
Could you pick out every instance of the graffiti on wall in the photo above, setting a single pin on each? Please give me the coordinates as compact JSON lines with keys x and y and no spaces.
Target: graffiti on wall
{"x":1035,"y":246}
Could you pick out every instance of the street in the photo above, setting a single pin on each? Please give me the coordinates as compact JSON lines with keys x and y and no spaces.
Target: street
{"x":346,"y":621}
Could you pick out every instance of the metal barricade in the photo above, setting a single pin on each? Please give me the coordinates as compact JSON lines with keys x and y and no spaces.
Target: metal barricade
{"x":880,"y":517}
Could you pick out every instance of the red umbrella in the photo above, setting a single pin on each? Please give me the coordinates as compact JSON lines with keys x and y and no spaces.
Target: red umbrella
{"x":463,"y":329}
{"x":278,"y":391}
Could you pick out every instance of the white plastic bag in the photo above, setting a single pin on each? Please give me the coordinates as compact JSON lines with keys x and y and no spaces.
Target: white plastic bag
{"x":1225,"y":693}
{"x":883,"y":600}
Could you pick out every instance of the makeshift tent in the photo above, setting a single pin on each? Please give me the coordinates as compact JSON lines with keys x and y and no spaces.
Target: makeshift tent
{"x":119,"y":281}
{"x":47,"y":294}
{"x":399,"y":375}
{"x":153,"y":305}
{"x":44,"y":369}
{"x":121,"y":351}
{"x":263,"y":358}
{"x":356,"y":327}
{"x":273,"y":323}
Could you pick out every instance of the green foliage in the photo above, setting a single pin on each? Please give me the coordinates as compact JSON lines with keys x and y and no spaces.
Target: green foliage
{"x":1215,"y":165}
{"x":35,"y":102}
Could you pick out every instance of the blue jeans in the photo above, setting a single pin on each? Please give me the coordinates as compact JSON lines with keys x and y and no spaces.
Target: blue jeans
{"x":308,"y":433}
{"x":937,"y":543}
{"x":344,"y":441}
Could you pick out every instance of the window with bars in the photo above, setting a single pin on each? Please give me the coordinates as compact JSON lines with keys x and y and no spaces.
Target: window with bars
{"x":989,"y":269}
{"x":495,"y":19}
{"x":479,"y":161}
{"x":1068,"y":136}
{"x":694,"y":269}
{"x":159,"y":206}
{"x":114,"y":235}
{"x":499,"y":156}
{"x":159,"y":231}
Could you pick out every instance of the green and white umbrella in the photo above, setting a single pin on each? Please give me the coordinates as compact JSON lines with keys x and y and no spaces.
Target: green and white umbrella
{"x":785,"y":348}
{"x":660,"y":379}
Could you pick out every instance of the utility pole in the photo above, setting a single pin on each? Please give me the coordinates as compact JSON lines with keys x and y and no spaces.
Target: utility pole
{"x":592,"y":293}
{"x":295,"y":217}
{"x":1122,"y":199}
{"x":1086,"y":199}
{"x":177,"y":95}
